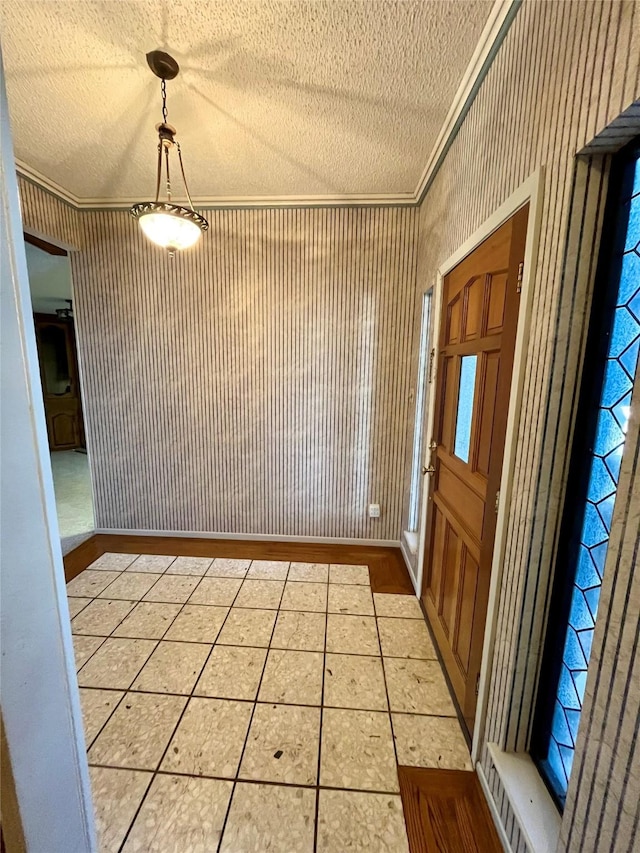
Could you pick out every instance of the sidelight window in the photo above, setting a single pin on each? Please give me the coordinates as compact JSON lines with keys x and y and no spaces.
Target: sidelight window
{"x":419,"y":425}
{"x":605,"y":405}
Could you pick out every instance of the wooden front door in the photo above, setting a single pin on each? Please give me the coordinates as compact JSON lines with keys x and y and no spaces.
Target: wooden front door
{"x":60,"y":386}
{"x":475,"y":359}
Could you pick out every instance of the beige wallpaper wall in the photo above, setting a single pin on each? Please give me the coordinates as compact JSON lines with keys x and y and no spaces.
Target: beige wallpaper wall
{"x":262,"y":384}
{"x":258,"y":384}
{"x":47,"y":216}
{"x":564,"y":72}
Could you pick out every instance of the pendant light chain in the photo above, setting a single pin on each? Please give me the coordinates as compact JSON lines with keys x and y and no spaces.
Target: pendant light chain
{"x":163,"y":89}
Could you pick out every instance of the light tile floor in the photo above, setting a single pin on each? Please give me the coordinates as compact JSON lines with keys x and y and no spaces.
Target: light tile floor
{"x":74,"y":500}
{"x":247,"y":706}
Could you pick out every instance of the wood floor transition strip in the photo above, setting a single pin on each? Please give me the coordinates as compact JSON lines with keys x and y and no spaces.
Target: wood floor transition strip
{"x":386,"y":566}
{"x":445,"y":812}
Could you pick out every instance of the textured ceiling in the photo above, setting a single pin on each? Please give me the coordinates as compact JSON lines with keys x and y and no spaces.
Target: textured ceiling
{"x":273,"y":99}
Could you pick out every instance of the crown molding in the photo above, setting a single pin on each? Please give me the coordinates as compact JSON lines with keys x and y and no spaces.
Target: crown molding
{"x":25,"y":171}
{"x":500,"y":19}
{"x":222,"y":202}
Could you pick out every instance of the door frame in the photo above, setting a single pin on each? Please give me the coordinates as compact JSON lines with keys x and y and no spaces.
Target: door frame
{"x":56,"y":246}
{"x":42,"y":730}
{"x":529,"y":192}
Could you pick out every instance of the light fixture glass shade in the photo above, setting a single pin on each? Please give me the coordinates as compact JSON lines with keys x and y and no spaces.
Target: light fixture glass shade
{"x":168,"y":225}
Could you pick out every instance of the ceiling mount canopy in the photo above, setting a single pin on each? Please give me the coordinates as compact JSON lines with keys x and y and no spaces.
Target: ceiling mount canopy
{"x":163,"y":65}
{"x":167,"y":224}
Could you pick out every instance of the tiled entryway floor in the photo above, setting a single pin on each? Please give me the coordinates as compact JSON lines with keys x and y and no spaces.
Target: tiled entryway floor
{"x":241,"y":705}
{"x":72,"y":485}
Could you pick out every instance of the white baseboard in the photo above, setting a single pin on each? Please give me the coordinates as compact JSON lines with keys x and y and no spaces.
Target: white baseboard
{"x":407,"y":563}
{"x":244,"y":537}
{"x":493,"y":809}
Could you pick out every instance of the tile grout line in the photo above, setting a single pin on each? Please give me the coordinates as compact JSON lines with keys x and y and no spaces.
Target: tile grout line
{"x":266,"y":782}
{"x":183,"y":606}
{"x":161,"y":639}
{"x":95,"y":598}
{"x":324,"y":667}
{"x":125,"y":689}
{"x":262,"y":609}
{"x":126,"y":616}
{"x":246,"y":737}
{"x":180,"y":717}
{"x":317,"y":787}
{"x":265,"y":702}
{"x":386,"y":690}
{"x":84,"y":606}
{"x":97,"y":636}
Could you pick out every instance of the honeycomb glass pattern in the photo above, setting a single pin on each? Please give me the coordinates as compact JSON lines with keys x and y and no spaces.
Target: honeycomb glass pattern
{"x":615,"y":403}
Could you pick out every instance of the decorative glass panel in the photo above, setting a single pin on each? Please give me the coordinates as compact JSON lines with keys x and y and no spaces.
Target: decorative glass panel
{"x":464,"y":415}
{"x":597,"y":511}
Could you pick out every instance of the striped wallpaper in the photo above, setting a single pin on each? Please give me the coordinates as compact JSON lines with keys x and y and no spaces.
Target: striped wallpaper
{"x":45,"y":215}
{"x":564,"y":72}
{"x":261,"y":383}
{"x":258,"y":384}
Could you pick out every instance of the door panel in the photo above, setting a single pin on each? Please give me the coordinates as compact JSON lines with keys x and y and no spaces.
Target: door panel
{"x":486,"y":406}
{"x":60,"y":388}
{"x":467,"y":604}
{"x":495,"y":314}
{"x":475,"y":360}
{"x":450,"y":580}
{"x":473,"y":303}
{"x":64,"y":432}
{"x":463,"y":502}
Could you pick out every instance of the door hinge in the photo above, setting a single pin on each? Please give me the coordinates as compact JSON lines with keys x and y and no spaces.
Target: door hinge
{"x":497,"y":499}
{"x":520,"y":275}
{"x":477,"y":684}
{"x":432,"y":356}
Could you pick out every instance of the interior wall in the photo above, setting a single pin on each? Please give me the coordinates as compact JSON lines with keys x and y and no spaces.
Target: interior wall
{"x":41,"y":719}
{"x":257,"y":384}
{"x":239,"y":391}
{"x":47,"y":216}
{"x":564,"y":72}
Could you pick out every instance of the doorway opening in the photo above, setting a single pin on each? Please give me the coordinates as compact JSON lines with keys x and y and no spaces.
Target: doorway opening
{"x":51,"y":290}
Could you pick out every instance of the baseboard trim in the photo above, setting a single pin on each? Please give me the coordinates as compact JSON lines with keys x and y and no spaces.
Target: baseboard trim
{"x":493,"y":809}
{"x":407,"y":562}
{"x":252,"y":537}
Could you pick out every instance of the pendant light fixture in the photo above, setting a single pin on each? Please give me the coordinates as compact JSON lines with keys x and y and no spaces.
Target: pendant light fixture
{"x":167,"y":224}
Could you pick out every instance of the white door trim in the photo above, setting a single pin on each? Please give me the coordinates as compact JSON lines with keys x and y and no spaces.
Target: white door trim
{"x":528,"y":192}
{"x":40,"y":703}
{"x":428,"y":425}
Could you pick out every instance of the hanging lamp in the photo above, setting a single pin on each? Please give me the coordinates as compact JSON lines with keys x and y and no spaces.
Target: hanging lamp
{"x":167,"y":224}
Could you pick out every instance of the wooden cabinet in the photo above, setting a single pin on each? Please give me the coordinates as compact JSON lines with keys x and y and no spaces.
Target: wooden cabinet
{"x":60,"y":385}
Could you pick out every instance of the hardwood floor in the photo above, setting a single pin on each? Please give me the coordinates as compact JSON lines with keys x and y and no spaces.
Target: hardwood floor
{"x":445,"y":812}
{"x":386,"y":565}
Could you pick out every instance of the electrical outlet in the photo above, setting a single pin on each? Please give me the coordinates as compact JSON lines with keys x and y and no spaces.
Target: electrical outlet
{"x":374,"y":510}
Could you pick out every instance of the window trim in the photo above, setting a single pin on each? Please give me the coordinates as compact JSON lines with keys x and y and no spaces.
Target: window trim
{"x":589,"y":390}
{"x":420,"y":423}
